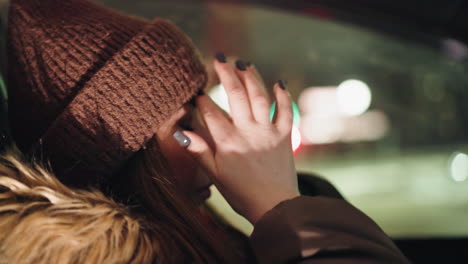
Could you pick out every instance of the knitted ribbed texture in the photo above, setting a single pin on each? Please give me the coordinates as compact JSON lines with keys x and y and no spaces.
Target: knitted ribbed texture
{"x":89,"y":86}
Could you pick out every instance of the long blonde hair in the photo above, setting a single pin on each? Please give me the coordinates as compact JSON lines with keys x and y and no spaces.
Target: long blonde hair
{"x":44,"y":221}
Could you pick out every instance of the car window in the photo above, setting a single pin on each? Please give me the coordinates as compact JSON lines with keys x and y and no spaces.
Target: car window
{"x":383,"y":117}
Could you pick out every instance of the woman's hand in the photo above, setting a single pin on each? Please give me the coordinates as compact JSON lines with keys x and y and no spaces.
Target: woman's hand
{"x":250,"y":158}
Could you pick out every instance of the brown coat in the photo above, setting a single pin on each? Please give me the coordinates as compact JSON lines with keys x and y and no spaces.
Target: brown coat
{"x":319,"y":230}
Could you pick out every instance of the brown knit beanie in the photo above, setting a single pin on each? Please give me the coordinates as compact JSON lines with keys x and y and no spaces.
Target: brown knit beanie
{"x":88,"y":86}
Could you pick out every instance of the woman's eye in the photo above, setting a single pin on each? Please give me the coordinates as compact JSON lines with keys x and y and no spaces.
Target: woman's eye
{"x":185,"y":127}
{"x":187,"y":121}
{"x":186,"y":124}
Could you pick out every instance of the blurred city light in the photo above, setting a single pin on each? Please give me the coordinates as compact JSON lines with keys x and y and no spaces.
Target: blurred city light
{"x":455,"y":49}
{"x":354,"y":97}
{"x":319,"y":130}
{"x":329,"y":114}
{"x":295,"y":138}
{"x":219,"y":96}
{"x":296,"y":113}
{"x":338,"y":114}
{"x":370,"y":126}
{"x":459,"y":166}
{"x":319,"y":102}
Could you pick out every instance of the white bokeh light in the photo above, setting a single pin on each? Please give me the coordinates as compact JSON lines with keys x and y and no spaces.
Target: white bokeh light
{"x":319,"y":101}
{"x":295,"y":138}
{"x":354,"y":97}
{"x":318,"y":130}
{"x":459,"y":167}
{"x":219,"y":96}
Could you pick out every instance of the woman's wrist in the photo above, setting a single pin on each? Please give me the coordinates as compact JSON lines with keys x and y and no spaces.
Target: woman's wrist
{"x":268,"y":204}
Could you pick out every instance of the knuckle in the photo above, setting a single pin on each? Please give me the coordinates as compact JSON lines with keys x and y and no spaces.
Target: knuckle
{"x":288,"y":117}
{"x":238,"y":93}
{"x":260,"y":101}
{"x":284,"y":103}
{"x":249,"y":76}
{"x":285,"y":123}
{"x":286,"y":133}
{"x":209,"y":114}
{"x":243,"y":122}
{"x":231,"y":148}
{"x":235,"y":88}
{"x":225,"y":138}
{"x":267,"y":128}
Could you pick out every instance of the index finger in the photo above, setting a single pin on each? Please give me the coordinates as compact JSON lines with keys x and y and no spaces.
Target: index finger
{"x":216,"y":122}
{"x":258,"y":96}
{"x":239,"y":103}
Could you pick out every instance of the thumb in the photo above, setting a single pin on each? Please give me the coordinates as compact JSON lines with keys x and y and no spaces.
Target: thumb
{"x":198,"y":148}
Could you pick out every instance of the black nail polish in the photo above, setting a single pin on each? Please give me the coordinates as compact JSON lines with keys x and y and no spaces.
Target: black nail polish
{"x":282,"y":84}
{"x":241,"y":65}
{"x":220,"y":57}
{"x":182,"y":139}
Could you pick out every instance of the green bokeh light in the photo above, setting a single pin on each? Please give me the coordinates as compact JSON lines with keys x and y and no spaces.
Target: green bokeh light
{"x":296,"y":113}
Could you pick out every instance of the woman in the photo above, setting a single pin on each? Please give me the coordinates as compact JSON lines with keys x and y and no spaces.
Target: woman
{"x":88,"y":90}
{"x":107,"y":98}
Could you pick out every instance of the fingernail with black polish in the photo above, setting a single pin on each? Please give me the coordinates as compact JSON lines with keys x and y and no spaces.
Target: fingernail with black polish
{"x":182,"y":139}
{"x":241,"y":65}
{"x":220,"y":57}
{"x":282,"y":84}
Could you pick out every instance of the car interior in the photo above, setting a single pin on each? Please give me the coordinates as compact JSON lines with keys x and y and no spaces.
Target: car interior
{"x":380,"y":94}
